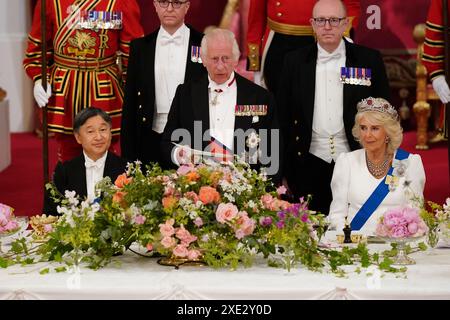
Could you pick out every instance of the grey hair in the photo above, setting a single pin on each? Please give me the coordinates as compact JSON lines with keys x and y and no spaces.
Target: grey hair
{"x":222,"y":35}
{"x":392,"y":127}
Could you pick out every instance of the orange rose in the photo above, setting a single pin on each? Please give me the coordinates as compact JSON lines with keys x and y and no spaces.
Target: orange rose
{"x":192,"y":176}
{"x":122,"y":180}
{"x":208,"y":195}
{"x":119,"y":197}
{"x":169,"y":202}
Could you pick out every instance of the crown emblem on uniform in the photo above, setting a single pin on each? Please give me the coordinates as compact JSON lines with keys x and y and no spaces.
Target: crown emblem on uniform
{"x":378,"y":105}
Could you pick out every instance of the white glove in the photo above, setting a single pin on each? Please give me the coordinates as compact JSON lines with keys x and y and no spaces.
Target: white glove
{"x":442,"y":89}
{"x":40,"y":95}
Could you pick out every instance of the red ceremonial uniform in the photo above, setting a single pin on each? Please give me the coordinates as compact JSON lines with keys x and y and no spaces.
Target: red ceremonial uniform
{"x":83,"y":41}
{"x":288,"y":17}
{"x":433,"y":48}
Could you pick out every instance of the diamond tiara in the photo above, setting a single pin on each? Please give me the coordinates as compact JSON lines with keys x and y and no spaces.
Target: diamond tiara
{"x":378,"y":105}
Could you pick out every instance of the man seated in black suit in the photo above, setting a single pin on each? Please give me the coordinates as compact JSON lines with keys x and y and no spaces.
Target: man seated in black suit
{"x":92,"y":129}
{"x":320,"y":87}
{"x":222,"y":112}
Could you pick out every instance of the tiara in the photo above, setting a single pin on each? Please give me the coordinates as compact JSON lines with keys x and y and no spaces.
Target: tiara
{"x":378,"y":105}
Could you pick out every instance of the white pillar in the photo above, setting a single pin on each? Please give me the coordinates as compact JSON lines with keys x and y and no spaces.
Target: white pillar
{"x":15,"y":22}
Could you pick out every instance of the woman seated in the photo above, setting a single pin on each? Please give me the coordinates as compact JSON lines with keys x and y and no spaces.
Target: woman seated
{"x":380,"y":176}
{"x":92,"y":129}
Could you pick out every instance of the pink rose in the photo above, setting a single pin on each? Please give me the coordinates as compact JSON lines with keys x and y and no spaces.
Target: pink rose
{"x":267,"y":201}
{"x":412,"y":228}
{"x":226,"y":212}
{"x":191,"y":195}
{"x":193,"y":254}
{"x":149,"y":247}
{"x":180,"y":251}
{"x":185,"y":169}
{"x":167,"y":228}
{"x":185,"y":236}
{"x":168,"y":242}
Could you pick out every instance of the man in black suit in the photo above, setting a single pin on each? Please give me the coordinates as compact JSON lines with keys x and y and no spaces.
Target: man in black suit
{"x":320,"y":88}
{"x":158,"y":63}
{"x":222,"y":112}
{"x":92,"y":129}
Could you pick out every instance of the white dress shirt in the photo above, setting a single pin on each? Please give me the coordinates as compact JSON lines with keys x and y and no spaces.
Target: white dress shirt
{"x":94,"y":173}
{"x":222,"y":102}
{"x":352,"y":184}
{"x":170,"y":69}
{"x":328,"y":134}
{"x":221,"y":110}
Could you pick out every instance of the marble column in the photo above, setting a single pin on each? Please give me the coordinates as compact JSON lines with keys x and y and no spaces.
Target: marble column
{"x":15,"y":21}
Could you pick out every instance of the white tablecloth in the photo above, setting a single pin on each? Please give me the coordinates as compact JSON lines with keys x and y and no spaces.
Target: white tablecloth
{"x":134,"y":277}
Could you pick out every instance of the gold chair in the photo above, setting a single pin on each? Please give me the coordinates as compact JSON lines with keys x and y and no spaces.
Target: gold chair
{"x":424,"y":92}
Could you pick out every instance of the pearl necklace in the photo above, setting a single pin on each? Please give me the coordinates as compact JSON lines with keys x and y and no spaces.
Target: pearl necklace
{"x":378,"y":170}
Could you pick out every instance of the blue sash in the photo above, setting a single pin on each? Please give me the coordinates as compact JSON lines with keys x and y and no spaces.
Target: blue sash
{"x":376,"y":197}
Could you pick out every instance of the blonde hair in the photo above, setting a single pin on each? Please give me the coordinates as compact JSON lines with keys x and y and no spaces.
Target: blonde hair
{"x":392,"y":127}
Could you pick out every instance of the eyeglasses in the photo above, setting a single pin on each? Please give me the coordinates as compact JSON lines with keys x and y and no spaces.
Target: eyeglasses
{"x":334,"y":22}
{"x":223,"y":59}
{"x":175,"y":4}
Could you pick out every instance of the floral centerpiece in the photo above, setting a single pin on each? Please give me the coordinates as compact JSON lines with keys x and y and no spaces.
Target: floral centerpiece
{"x":437,"y":218}
{"x":400,"y":223}
{"x":222,"y":214}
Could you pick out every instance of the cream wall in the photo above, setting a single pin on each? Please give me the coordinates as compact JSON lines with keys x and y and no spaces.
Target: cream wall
{"x":15,"y":20}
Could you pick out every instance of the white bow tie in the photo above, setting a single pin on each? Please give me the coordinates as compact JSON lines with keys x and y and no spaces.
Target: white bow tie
{"x":167,"y":39}
{"x":92,"y":164}
{"x":325,"y":57}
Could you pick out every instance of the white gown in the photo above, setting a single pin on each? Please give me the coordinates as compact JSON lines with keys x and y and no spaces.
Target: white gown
{"x":352,"y":184}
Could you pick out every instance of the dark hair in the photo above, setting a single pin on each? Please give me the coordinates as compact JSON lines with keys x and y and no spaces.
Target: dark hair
{"x":88,"y":113}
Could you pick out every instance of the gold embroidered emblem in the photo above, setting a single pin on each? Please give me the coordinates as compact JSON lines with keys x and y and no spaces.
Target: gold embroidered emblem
{"x":82,"y":43}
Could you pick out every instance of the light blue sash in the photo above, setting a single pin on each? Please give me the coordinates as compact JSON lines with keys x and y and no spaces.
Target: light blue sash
{"x":376,"y":197}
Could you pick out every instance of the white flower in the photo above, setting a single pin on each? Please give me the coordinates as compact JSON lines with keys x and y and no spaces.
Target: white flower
{"x":72,"y":197}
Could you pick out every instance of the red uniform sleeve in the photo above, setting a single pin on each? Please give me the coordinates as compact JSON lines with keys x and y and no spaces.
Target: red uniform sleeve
{"x":433,"y":48}
{"x":257,"y":21}
{"x":33,"y":55}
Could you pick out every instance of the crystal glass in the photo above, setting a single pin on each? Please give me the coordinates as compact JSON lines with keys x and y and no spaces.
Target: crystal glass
{"x":444,"y":233}
{"x":402,"y":258}
{"x":433,"y":236}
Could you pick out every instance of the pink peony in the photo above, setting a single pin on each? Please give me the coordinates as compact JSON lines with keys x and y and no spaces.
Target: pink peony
{"x":226,"y":212}
{"x":401,"y":223}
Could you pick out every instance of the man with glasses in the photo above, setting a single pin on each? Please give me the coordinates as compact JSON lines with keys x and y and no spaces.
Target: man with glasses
{"x":222,"y":113}
{"x":319,"y":90}
{"x":276,"y":27}
{"x":158,"y":63}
